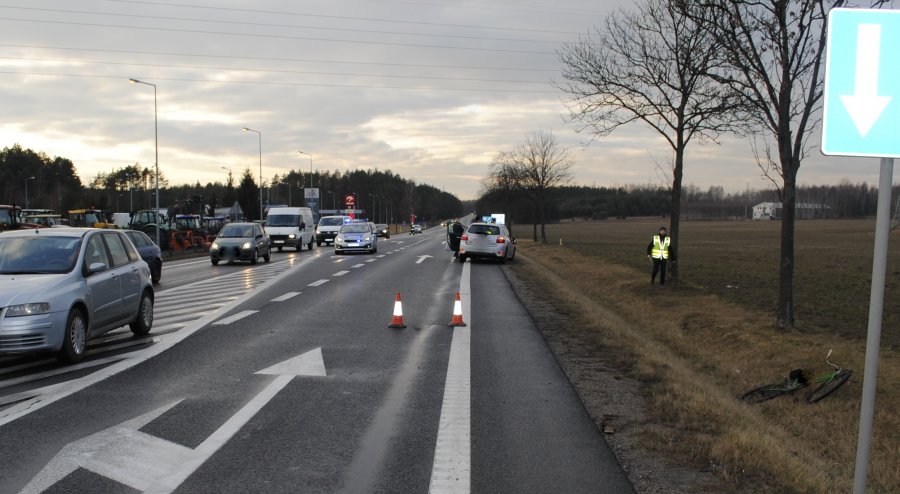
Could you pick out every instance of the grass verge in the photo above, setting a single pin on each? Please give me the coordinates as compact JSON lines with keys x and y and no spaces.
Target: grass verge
{"x":697,"y":351}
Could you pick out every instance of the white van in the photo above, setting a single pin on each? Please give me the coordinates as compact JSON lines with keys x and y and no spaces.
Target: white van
{"x":290,"y":227}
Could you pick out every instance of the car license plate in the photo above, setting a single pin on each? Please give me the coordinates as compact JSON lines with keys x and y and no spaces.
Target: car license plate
{"x":279,"y":241}
{"x":353,"y":244}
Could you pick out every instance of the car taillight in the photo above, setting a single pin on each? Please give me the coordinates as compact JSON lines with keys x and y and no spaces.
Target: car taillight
{"x":501,"y":240}
{"x":465,"y":237}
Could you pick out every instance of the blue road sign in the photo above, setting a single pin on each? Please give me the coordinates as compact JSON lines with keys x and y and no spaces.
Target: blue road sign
{"x":861,"y":113}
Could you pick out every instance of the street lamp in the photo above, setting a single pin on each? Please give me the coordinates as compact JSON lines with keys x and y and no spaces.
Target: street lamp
{"x":156,"y":146}
{"x":246,"y":129}
{"x":26,"y":190}
{"x":310,"y":167}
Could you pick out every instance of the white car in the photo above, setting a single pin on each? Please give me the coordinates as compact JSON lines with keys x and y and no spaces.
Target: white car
{"x":356,"y":237}
{"x":487,"y":241}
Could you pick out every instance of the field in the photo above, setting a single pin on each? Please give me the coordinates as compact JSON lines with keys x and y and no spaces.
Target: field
{"x":698,"y":346}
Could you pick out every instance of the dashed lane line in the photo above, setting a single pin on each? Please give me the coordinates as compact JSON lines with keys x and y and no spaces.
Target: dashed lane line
{"x":318,"y":283}
{"x":236,"y":317}
{"x":340,"y":273}
{"x":286,"y":296}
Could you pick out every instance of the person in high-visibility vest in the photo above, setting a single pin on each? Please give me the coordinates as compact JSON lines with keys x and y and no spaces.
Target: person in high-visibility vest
{"x":660,"y":250}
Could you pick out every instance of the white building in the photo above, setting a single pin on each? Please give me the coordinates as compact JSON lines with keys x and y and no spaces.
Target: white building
{"x":803,"y":211}
{"x":767,"y":211}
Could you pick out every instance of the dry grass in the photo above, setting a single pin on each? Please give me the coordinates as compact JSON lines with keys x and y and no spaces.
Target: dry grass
{"x":700,"y":346}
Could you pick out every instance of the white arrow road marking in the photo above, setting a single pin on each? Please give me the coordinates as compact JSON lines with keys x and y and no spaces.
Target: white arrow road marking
{"x":150,"y":464}
{"x":422,"y":258}
{"x":286,"y":296}
{"x":451,"y":469}
{"x":318,"y":283}
{"x":864,"y":105}
{"x":235,"y":317}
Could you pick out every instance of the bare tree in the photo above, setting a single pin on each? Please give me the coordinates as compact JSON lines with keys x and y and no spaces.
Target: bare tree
{"x":650,"y":65}
{"x":774,"y":51}
{"x":542,"y":165}
{"x":506,"y":180}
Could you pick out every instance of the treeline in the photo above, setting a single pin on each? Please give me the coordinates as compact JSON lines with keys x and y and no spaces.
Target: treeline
{"x":53,"y":183}
{"x":580,"y":202}
{"x":845,"y":200}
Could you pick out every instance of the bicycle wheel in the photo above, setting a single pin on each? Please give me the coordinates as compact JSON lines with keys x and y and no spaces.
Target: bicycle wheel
{"x":764,"y":393}
{"x":829,"y":387}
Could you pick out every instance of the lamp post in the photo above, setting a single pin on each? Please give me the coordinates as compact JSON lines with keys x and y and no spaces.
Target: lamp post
{"x":26,"y":190}
{"x":232,"y":205}
{"x":156,"y":148}
{"x":246,"y":129}
{"x":289,"y":192}
{"x":310,"y":167}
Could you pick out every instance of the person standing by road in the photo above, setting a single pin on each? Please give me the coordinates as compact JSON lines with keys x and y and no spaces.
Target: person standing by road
{"x":659,"y":251}
{"x":455,"y":231}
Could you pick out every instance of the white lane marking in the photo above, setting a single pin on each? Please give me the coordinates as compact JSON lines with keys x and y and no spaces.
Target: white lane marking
{"x":237,"y":317}
{"x":157,"y":465}
{"x":340,"y":273}
{"x":372,"y":260}
{"x":318,"y":283}
{"x":340,"y":260}
{"x":422,"y":258}
{"x":286,"y":296}
{"x":52,"y":394}
{"x":380,"y":256}
{"x":357,"y":266}
{"x":451,"y":469}
{"x":63,"y":370}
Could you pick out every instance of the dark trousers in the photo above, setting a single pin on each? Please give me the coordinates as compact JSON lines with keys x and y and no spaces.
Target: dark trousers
{"x":659,"y":266}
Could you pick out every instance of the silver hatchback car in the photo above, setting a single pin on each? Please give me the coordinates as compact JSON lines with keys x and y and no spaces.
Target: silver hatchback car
{"x":487,"y":240}
{"x":60,"y":287}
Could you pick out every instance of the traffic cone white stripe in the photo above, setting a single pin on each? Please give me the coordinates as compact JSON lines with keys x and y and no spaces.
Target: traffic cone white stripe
{"x":397,"y":320}
{"x":457,"y":320}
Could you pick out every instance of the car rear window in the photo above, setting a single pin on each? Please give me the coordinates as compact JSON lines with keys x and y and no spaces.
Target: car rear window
{"x":485,"y":229}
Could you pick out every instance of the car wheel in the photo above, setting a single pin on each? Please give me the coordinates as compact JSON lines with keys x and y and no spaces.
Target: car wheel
{"x":268,"y":255}
{"x":255,"y":258}
{"x":156,"y":272}
{"x":462,"y":258}
{"x":75,"y":338}
{"x":215,"y":262}
{"x":279,"y":248}
{"x":318,"y":244}
{"x":144,"y":320}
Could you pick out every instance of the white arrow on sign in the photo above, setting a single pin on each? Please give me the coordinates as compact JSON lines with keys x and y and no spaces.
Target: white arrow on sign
{"x":422,"y":258}
{"x":864,"y":105}
{"x":150,"y":464}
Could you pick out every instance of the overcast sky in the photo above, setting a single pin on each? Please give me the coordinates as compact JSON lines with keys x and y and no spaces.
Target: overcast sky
{"x":430,"y":89}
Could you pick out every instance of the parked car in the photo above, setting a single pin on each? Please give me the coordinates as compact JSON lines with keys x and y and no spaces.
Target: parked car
{"x":149,"y":252}
{"x":61,"y":287}
{"x":240,"y":242}
{"x":487,"y":240}
{"x":356,"y":237}
{"x":382,"y":230}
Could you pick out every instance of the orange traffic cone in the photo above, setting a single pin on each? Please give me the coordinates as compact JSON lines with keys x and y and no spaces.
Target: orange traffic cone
{"x":397,"y":320}
{"x":457,"y":314}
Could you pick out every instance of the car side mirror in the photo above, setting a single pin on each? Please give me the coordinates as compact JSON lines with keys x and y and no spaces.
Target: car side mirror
{"x":96,"y":267}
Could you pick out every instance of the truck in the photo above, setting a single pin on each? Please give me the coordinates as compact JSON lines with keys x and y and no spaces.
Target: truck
{"x":290,"y":227}
{"x":10,"y":220}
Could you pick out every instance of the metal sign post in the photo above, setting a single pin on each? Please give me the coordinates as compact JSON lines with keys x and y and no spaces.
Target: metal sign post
{"x":859,"y":119}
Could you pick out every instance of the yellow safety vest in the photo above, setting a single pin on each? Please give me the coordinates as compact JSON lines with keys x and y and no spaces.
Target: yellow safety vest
{"x":660,"y":247}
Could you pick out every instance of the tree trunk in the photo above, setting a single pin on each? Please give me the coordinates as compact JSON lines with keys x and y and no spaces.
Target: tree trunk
{"x":542,"y":220}
{"x":534,"y":225}
{"x":675,"y":208}
{"x":786,"y":268}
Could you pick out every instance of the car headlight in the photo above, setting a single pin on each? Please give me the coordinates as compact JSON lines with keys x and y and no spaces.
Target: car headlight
{"x":339,"y":238}
{"x":318,"y":232}
{"x":367,"y":238}
{"x":246,"y":246}
{"x":28,"y":309}
{"x":214,"y":246}
{"x":292,"y":236}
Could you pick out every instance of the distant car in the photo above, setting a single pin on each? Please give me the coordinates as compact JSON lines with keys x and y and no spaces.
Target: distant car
{"x":356,"y":237}
{"x":382,"y":230}
{"x":415,"y":229}
{"x":328,"y":228}
{"x":61,"y":287}
{"x":487,"y":241}
{"x":150,"y":253}
{"x":240,"y":242}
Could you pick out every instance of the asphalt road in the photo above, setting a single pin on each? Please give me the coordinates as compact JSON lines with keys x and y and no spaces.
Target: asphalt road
{"x":284,"y":377}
